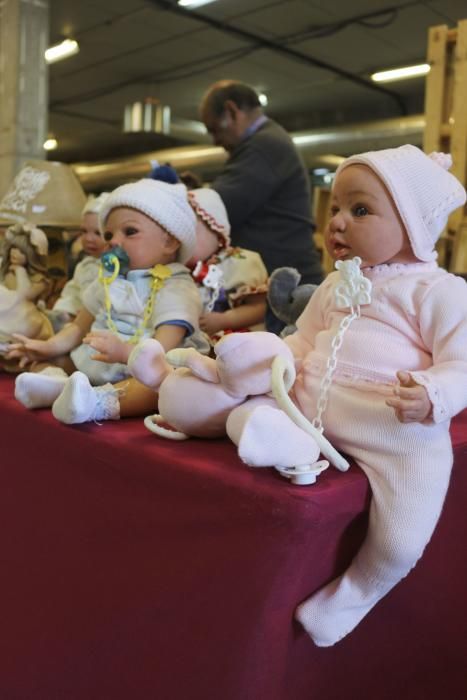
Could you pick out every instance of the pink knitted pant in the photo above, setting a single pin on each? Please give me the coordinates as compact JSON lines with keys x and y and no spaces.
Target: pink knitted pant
{"x":408,"y":467}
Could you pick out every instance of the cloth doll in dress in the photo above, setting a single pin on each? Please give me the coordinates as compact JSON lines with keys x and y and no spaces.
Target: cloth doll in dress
{"x":232,"y":281}
{"x":25,"y":247}
{"x":23,"y":281}
{"x":152,"y":226}
{"x":381,"y":366}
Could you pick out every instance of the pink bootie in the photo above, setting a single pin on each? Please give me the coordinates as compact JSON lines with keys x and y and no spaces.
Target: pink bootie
{"x":148,"y":365}
{"x":266,"y":436}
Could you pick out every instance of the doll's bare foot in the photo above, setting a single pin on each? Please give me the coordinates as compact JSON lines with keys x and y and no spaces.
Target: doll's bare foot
{"x":266,"y":436}
{"x":40,"y":389}
{"x":80,"y":402}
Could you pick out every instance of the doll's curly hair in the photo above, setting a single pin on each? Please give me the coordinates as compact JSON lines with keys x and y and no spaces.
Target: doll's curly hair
{"x":19,"y":236}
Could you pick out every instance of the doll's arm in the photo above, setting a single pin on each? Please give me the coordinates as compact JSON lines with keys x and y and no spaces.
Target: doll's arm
{"x":110,"y":347}
{"x":410,"y":401}
{"x":309,"y":323}
{"x":28,"y":349}
{"x":170,"y":336}
{"x":249,"y":313}
{"x":443,"y":326}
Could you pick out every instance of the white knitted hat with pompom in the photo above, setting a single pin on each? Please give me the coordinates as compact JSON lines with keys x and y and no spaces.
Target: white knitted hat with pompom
{"x":423,"y":190}
{"x":165,"y":204}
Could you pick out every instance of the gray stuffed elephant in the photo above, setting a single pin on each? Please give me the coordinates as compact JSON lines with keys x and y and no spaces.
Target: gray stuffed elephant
{"x":287,"y":297}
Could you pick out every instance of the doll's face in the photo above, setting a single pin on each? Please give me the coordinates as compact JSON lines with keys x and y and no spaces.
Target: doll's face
{"x":17,"y":257}
{"x":207,"y":243}
{"x":143,"y":240}
{"x":364,"y":221}
{"x":92,"y":241}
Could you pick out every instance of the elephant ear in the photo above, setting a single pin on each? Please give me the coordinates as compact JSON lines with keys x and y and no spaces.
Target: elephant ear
{"x":282,"y":284}
{"x":286,"y":296}
{"x":203,"y":367}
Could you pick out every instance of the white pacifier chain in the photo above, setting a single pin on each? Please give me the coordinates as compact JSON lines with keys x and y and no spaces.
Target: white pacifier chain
{"x":352,"y":290}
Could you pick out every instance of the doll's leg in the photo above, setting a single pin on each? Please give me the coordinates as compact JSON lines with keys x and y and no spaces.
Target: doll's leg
{"x":79,"y":402}
{"x":40,"y":389}
{"x":266,"y":436}
{"x":135,"y":399}
{"x":408,"y":494}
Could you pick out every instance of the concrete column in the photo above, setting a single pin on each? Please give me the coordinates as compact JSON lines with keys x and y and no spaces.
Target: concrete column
{"x":24,"y":33}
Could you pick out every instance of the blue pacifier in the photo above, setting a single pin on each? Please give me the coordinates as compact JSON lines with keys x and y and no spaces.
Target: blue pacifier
{"x":116,"y":262}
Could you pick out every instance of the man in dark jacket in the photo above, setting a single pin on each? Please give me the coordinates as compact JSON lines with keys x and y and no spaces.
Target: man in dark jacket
{"x":264,"y":184}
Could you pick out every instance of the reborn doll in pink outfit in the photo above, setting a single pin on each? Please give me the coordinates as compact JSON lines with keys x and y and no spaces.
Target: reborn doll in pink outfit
{"x":394,"y":364}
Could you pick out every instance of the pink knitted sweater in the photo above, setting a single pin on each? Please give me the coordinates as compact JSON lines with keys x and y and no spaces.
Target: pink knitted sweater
{"x":417,"y":322}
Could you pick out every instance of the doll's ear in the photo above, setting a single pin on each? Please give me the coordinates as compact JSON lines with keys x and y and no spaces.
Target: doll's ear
{"x":171,"y":244}
{"x":201,"y":366}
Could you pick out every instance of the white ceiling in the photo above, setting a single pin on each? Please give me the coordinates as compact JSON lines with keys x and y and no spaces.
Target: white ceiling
{"x":311,"y":57}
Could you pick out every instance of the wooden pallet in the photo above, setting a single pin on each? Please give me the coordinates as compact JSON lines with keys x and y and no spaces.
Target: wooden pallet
{"x":446,"y":126}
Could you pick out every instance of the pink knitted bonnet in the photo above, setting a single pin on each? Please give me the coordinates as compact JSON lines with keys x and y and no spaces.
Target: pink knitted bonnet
{"x":424,"y":192}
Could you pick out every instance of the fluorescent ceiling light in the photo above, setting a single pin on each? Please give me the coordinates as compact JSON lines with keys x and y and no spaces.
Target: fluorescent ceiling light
{"x":67,"y":48}
{"x":50,"y":145}
{"x":387,"y":76}
{"x":192,"y":4}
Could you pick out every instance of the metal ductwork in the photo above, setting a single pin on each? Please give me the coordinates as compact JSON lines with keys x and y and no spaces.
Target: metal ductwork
{"x":318,"y":147}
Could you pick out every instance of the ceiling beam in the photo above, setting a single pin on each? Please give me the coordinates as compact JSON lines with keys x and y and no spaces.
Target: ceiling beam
{"x":274,"y":45}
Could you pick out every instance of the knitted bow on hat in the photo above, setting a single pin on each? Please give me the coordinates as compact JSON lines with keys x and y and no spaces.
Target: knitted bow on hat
{"x":36,"y":236}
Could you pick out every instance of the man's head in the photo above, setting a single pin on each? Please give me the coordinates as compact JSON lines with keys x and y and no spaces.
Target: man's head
{"x":227,"y":109}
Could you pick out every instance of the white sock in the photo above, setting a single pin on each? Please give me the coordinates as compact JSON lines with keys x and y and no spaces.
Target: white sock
{"x":80,"y":402}
{"x":40,"y":389}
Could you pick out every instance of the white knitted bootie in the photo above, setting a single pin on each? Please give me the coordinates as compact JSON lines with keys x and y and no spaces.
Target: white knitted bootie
{"x":40,"y":389}
{"x":80,"y":402}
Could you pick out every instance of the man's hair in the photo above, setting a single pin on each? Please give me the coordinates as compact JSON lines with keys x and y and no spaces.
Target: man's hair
{"x":242,"y":95}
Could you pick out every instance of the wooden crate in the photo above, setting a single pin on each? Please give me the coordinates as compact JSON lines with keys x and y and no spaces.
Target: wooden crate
{"x":446,"y":126}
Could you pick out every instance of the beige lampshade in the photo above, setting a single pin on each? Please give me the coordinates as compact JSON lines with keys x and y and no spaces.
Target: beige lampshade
{"x":44,"y":193}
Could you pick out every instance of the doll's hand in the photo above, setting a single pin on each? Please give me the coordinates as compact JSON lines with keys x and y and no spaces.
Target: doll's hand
{"x":410,"y":402}
{"x":212,"y":322}
{"x":28,"y":350}
{"x":109,"y":346}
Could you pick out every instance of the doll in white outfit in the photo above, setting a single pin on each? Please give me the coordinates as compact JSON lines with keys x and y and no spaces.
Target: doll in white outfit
{"x":153,"y":227}
{"x":400,"y":375}
{"x":70,"y":301}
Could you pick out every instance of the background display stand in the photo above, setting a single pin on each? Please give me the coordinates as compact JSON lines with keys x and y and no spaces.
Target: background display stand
{"x":446,"y":126}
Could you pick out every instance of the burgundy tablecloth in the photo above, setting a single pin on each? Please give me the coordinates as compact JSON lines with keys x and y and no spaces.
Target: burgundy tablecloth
{"x":134,"y":568}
